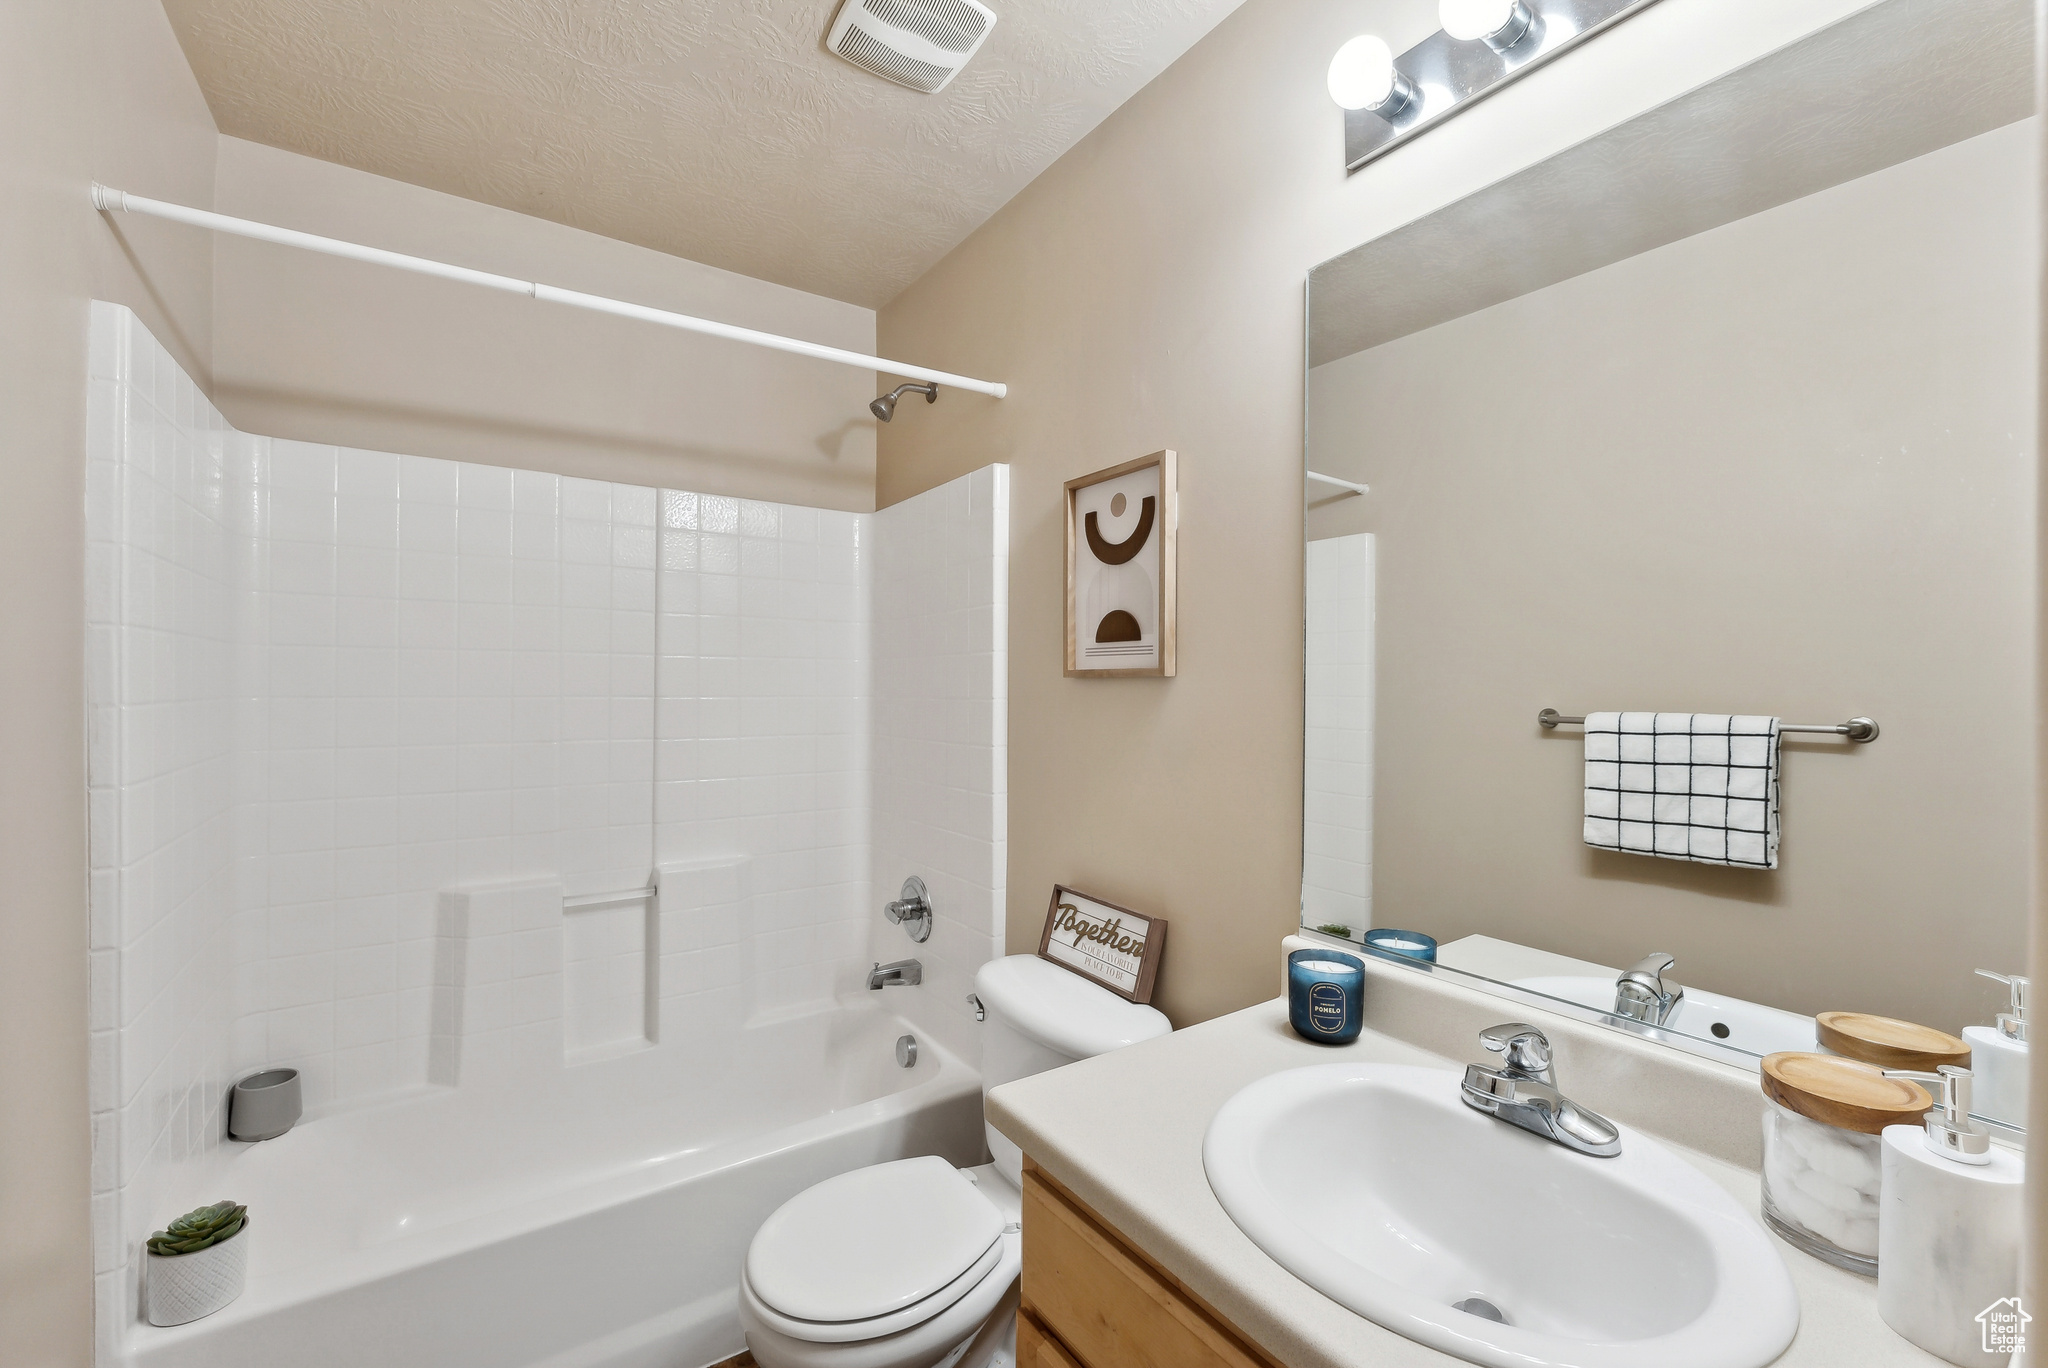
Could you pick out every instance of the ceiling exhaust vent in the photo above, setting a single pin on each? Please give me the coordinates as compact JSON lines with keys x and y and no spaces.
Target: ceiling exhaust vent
{"x":917,"y":43}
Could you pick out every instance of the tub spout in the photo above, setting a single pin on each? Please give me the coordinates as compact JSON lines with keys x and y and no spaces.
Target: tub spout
{"x":900,"y":973}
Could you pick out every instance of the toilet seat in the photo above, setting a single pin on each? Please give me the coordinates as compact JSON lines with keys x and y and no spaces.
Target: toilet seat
{"x":842,"y":1332}
{"x":872,"y":1251}
{"x":972,"y":1326}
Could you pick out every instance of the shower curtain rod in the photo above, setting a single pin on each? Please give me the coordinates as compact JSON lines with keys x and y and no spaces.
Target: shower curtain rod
{"x":108,"y":200}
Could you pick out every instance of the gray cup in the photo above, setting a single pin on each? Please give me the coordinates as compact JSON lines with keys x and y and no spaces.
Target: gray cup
{"x":264,"y":1105}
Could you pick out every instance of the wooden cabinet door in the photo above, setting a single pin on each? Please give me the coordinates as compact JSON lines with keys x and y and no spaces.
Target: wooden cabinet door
{"x":1037,"y":1348}
{"x":1105,"y":1303}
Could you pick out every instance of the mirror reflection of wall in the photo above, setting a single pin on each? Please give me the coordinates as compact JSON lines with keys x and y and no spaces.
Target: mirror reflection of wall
{"x":1336,"y":752}
{"x":1754,"y":433}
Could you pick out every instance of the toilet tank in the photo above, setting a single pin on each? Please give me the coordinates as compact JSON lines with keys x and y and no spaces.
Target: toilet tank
{"x":1040,"y":1016}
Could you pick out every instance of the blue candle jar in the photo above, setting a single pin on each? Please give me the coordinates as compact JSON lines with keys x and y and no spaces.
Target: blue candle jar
{"x":1325,"y":992}
{"x":1407,"y":944}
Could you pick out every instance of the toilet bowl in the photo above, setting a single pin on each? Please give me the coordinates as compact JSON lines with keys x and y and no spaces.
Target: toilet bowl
{"x":914,"y":1263}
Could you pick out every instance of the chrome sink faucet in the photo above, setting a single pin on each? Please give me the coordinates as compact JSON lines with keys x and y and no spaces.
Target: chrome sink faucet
{"x":1641,"y":993}
{"x":1523,"y":1092}
{"x":897,"y":974}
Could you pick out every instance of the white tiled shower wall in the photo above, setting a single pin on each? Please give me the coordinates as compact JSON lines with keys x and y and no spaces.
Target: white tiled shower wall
{"x":164,"y":607}
{"x":765,"y":727}
{"x":1336,"y":865}
{"x":329,"y":685}
{"x":941,"y":667}
{"x":454,"y":676}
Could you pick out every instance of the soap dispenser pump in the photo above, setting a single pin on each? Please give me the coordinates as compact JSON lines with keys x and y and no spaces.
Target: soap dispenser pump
{"x":1949,"y":1131}
{"x":1948,"y":1224}
{"x":1998,"y":1055}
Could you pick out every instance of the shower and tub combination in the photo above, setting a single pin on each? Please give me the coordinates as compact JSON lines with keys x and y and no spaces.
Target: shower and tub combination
{"x":545,"y":827}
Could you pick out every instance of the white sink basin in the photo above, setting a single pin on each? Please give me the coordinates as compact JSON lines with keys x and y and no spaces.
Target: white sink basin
{"x":1376,"y":1185}
{"x":1708,"y":1016}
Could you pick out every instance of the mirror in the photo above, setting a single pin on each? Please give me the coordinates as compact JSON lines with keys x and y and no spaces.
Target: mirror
{"x":1728,"y":411}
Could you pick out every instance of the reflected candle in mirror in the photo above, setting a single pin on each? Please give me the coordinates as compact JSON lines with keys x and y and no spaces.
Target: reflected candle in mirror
{"x":1325,"y":991}
{"x":1407,"y":944}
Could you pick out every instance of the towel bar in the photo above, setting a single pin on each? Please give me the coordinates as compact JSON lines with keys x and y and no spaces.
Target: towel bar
{"x":1856,"y":728}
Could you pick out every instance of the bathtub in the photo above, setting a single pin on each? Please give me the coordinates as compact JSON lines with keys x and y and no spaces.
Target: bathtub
{"x":596,"y":1220}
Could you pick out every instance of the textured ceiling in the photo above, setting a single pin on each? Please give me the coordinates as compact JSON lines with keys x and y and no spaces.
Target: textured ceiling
{"x":721,"y":132}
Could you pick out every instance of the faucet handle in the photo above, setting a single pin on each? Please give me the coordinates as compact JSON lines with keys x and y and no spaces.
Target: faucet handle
{"x":1642,"y":993}
{"x":1520,"y":1045}
{"x":1654,"y":964}
{"x":912,"y":910}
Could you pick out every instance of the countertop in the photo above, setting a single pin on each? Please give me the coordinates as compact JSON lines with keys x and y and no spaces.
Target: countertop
{"x":1124,"y":1132}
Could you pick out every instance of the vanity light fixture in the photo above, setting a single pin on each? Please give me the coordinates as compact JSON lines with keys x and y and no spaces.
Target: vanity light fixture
{"x":1500,"y":24}
{"x":1363,"y":76}
{"x":1483,"y":45}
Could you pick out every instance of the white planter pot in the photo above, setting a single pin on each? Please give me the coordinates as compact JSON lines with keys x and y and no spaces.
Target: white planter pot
{"x":183,"y":1287}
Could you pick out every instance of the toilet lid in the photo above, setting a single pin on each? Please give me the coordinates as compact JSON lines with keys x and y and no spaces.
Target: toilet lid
{"x":872,"y":1241}
{"x":937,"y":1307}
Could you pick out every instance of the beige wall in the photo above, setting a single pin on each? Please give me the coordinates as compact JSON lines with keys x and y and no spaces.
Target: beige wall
{"x":324,"y":350}
{"x":1146,"y":292}
{"x":88,"y":88}
{"x":1785,"y":466}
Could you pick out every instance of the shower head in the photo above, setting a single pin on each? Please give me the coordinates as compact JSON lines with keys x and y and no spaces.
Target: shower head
{"x":884,"y":408}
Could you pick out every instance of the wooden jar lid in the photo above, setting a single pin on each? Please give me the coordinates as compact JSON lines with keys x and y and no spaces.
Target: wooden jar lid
{"x":1889,"y":1043}
{"x":1842,"y":1092}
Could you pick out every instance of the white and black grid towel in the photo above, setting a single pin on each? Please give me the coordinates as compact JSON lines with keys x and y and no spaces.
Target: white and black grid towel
{"x":1687,"y":786}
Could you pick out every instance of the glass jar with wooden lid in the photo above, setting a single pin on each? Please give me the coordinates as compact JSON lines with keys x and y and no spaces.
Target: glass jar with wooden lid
{"x":1888,"y":1042}
{"x":1822,"y":1156}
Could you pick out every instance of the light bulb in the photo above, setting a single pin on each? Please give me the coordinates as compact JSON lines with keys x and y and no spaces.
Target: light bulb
{"x":1362,"y":76}
{"x":1500,"y":24}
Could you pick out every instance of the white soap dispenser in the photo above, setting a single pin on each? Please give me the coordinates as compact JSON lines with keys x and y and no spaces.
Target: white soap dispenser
{"x":1948,"y":1227}
{"x":1998,"y":1056}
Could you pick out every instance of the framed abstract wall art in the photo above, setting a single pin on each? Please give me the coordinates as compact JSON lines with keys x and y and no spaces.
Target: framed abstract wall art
{"x":1121,"y":527}
{"x":1110,"y":945}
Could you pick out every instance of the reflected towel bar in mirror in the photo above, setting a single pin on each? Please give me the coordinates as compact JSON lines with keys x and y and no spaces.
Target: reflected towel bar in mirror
{"x":1346,"y":486}
{"x":1856,"y":728}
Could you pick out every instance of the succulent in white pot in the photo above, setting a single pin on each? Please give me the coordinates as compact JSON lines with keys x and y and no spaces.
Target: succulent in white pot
{"x":196,"y":1265}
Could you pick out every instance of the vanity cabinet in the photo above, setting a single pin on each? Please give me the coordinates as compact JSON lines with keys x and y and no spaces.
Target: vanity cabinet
{"x":1090,"y":1300}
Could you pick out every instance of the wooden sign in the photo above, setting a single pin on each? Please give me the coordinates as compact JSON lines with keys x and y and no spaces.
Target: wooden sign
{"x":1104,"y":943}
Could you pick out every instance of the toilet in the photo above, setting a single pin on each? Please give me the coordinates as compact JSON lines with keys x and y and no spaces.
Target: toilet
{"x":913,"y":1264}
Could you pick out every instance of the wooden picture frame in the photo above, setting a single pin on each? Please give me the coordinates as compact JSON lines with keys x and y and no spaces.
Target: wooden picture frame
{"x":1087,"y":923}
{"x":1122,"y":594}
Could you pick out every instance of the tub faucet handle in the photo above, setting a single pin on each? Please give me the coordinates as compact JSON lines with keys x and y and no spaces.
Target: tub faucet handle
{"x":912,"y":910}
